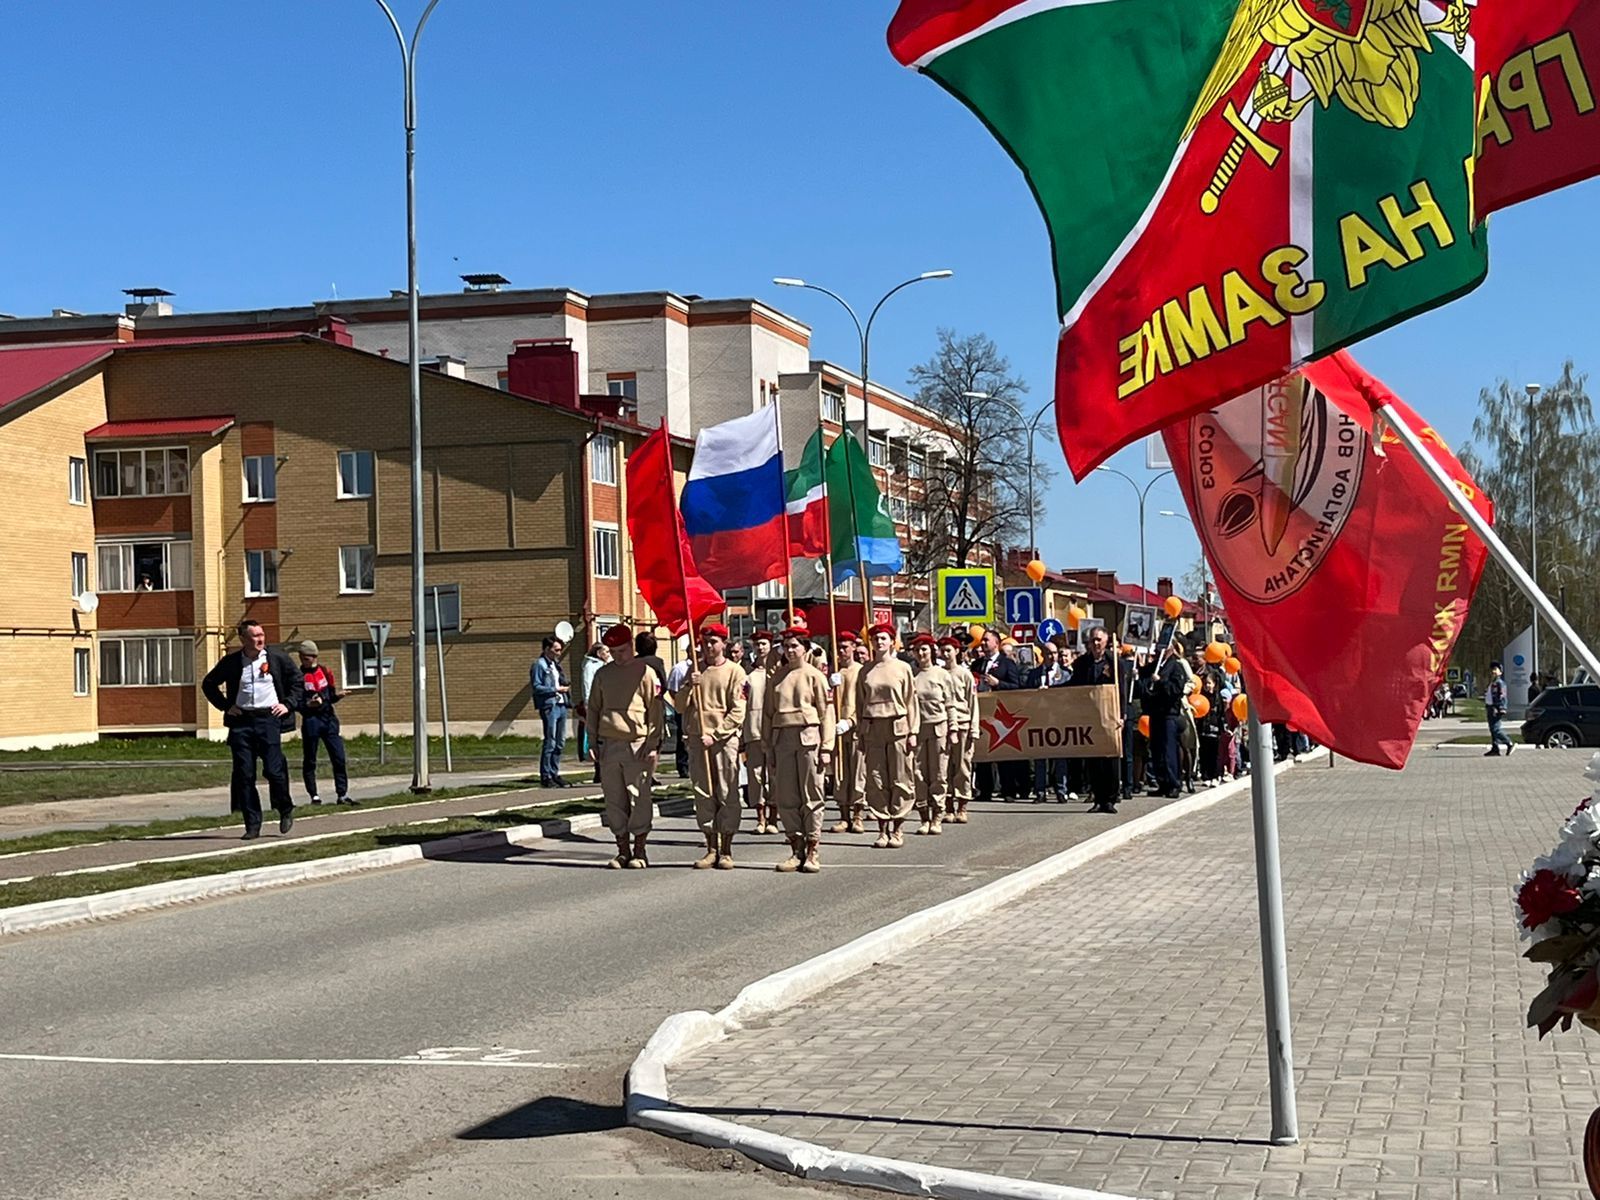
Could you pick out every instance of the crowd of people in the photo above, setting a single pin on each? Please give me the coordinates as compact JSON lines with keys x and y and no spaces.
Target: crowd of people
{"x":888,"y":731}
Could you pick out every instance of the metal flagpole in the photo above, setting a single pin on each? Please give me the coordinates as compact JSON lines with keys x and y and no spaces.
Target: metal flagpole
{"x":888,"y":496}
{"x":827,"y":520}
{"x":1274,"y":960}
{"x":783,"y":507}
{"x":1497,"y":548}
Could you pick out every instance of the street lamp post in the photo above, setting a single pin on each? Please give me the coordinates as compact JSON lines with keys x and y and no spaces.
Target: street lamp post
{"x":419,"y":657}
{"x":1533,"y":390}
{"x":1033,"y":428}
{"x":1143,"y":494}
{"x":864,"y":333}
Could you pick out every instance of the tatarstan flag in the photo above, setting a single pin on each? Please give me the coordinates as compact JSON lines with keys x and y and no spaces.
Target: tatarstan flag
{"x":1232,"y":187}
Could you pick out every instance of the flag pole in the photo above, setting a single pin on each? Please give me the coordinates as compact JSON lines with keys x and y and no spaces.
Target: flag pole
{"x":827,"y":520}
{"x":855,"y":522}
{"x":1498,"y":549}
{"x":783,"y":507}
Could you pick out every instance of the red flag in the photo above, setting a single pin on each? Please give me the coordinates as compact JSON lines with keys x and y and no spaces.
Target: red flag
{"x":662,"y":563}
{"x":1538,"y":74}
{"x":1345,"y":573}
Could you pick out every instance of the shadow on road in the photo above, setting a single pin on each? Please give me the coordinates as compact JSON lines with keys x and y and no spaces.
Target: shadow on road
{"x":548,"y":1116}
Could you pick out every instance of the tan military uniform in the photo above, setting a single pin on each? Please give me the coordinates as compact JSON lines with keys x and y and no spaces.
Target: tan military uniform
{"x":886,"y":702}
{"x":936,"y":695}
{"x":757,"y":755}
{"x":964,"y":727}
{"x":713,"y":705}
{"x":800,"y":726}
{"x":849,"y":765}
{"x":626,"y":716}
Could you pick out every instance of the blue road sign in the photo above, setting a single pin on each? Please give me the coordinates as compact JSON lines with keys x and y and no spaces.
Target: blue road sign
{"x":1024,"y":606}
{"x":1051,"y":629}
{"x":966,"y":596}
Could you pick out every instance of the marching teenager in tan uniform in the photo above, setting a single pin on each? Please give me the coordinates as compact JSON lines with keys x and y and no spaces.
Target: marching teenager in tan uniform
{"x":757,"y":757}
{"x":626,"y":716}
{"x":936,"y":696}
{"x":711,"y":703}
{"x":886,"y":701}
{"x":850,"y":768}
{"x":800,"y":733}
{"x":964,"y":733}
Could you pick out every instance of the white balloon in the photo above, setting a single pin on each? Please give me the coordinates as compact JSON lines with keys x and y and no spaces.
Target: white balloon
{"x":564,"y":630}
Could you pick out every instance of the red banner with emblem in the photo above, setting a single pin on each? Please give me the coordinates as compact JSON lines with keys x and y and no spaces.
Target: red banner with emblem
{"x":1538,"y":64}
{"x":1345,"y":573}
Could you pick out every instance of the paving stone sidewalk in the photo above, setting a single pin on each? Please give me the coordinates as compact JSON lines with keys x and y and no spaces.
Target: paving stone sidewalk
{"x":1107,"y":1033}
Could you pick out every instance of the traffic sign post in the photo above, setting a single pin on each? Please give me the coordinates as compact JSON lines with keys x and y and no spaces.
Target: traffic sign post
{"x":1024,"y":606}
{"x":380,"y":637}
{"x":965,"y":595}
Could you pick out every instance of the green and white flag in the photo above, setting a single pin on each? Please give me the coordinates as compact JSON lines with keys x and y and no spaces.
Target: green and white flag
{"x":864,"y":538}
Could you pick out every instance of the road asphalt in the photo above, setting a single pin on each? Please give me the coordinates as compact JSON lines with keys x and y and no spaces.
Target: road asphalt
{"x":534,"y":955}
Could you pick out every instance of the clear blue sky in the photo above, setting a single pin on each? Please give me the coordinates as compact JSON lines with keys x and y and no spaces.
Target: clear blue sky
{"x":245,"y":155}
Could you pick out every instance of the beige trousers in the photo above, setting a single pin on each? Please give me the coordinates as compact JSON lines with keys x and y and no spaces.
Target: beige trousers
{"x":933,"y":763}
{"x":849,"y":775}
{"x":959,"y":789}
{"x":758,"y":772}
{"x":715,"y":775}
{"x":797,"y":779}
{"x":625,"y":783}
{"x":890,"y":790}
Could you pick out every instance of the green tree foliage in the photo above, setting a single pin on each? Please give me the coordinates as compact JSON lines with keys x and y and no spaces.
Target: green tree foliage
{"x":1562,"y":459}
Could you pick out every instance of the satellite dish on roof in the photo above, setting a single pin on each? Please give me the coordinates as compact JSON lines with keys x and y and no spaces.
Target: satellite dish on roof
{"x":87,"y":602}
{"x":564,"y":631}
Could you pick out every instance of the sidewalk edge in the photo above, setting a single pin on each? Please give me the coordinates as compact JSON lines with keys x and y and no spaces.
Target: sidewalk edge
{"x":647,"y":1096}
{"x":52,"y":914}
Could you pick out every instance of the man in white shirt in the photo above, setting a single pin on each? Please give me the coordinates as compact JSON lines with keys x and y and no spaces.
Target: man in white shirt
{"x":257,"y":690}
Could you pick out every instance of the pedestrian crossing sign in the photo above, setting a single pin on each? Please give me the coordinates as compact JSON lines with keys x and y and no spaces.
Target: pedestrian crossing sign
{"x":966,"y":594}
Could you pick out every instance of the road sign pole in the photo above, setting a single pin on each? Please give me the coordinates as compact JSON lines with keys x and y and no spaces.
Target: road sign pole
{"x":380,"y":637}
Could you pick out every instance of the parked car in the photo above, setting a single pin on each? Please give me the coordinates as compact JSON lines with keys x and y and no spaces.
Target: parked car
{"x":1564,"y":717}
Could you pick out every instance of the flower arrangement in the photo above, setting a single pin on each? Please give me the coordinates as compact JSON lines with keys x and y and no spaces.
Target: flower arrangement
{"x":1557,"y":910}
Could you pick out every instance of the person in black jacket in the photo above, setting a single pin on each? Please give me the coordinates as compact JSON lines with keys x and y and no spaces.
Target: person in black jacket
{"x":1163,"y":698}
{"x":1098,"y":667}
{"x":321,"y":726}
{"x":994,"y":673}
{"x":258,"y":691}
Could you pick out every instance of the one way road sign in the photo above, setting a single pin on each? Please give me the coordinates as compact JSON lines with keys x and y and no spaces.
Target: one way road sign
{"x":966,"y":595}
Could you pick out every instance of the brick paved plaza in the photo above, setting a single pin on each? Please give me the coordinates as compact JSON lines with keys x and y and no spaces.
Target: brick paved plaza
{"x":1106,"y":1032}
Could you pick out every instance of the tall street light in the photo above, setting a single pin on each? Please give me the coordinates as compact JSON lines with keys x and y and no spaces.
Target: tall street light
{"x":1205,"y":580}
{"x":1033,"y":428}
{"x":1533,"y":390}
{"x":864,"y":332}
{"x":1144,"y":495}
{"x":419,"y":657}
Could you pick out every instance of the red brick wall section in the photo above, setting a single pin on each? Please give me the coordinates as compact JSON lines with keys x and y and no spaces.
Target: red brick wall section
{"x":260,"y":526}
{"x":116,"y":516}
{"x":156,"y":707}
{"x":264,"y":610}
{"x":146,"y":610}
{"x":605,"y":503}
{"x":256,"y":437}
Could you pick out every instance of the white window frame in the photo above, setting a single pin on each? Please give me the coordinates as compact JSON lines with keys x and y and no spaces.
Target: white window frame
{"x":82,"y":680}
{"x":356,"y":679}
{"x":603,"y":460}
{"x":177,"y":565}
{"x":77,"y":480}
{"x":139,"y":459}
{"x":147,"y":660}
{"x":80,"y":573}
{"x":626,"y":388}
{"x":355,"y":457}
{"x":371,"y":555}
{"x":608,"y":546}
{"x":263,"y":481}
{"x":269,"y":565}
{"x":899,"y":510}
{"x":878,"y":452}
{"x":833,"y":406}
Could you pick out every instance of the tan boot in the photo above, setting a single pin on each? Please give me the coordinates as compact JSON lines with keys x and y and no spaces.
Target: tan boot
{"x":843,"y":825}
{"x":811,"y":866}
{"x":791,"y":864}
{"x":638,"y":860}
{"x":725,"y":852}
{"x":937,"y":827}
{"x":709,"y":859}
{"x":897,"y":837}
{"x":621,"y":860}
{"x":858,"y":823}
{"x":883,"y":836}
{"x":961,"y":814}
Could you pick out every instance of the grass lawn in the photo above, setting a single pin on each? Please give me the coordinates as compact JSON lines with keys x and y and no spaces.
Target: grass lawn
{"x":139,"y":766}
{"x":1469,"y":708}
{"x":59,"y":887}
{"x":1482,"y":739}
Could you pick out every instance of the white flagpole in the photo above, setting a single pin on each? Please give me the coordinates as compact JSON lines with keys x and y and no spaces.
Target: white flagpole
{"x":783,"y":507}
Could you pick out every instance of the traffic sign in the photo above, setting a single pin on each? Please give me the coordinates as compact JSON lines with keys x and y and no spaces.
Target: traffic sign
{"x":380,"y":633}
{"x":1024,"y":606}
{"x":1022,"y":633}
{"x":1051,"y":629}
{"x":445,"y":600}
{"x":966,"y":594}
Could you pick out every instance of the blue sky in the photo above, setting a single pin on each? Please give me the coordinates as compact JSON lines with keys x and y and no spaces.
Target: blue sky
{"x":251,"y":155}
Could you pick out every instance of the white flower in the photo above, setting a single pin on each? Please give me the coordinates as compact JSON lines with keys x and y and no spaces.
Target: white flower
{"x":1582,"y":828}
{"x":1592,"y":772}
{"x":1566,"y":860}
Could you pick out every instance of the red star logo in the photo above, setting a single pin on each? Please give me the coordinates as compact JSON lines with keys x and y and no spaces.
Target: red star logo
{"x":1005,"y":729}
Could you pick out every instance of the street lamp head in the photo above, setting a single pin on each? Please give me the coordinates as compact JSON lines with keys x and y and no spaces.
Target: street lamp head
{"x":975,"y":395}
{"x":1167,"y":512}
{"x":786,"y":281}
{"x":1533,"y":390}
{"x":936,"y":275}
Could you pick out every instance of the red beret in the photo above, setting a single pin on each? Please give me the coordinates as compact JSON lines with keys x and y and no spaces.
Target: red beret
{"x":848,"y":636}
{"x":616,"y":636}
{"x":761,"y":633}
{"x":950,"y":641}
{"x":714,"y":630}
{"x":797,"y":631}
{"x":884,"y":628}
{"x":924,"y":639}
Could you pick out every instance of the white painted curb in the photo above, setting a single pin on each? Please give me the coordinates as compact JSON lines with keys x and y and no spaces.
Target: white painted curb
{"x":50,"y":914}
{"x":648,"y":1098}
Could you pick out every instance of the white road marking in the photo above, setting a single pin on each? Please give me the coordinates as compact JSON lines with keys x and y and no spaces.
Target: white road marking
{"x":292,"y":1062}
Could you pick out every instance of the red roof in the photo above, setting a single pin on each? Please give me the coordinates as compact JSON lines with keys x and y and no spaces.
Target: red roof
{"x":28,"y":369}
{"x":166,"y":427}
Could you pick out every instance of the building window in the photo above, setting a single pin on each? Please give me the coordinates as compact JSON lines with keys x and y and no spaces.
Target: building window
{"x":80,"y":670}
{"x":153,"y":566}
{"x":145,"y":662}
{"x":624,"y":385}
{"x":603,"y":459}
{"x":80,"y":573}
{"x":260,"y":572}
{"x":357,"y":569}
{"x":78,"y":480}
{"x":153,"y":472}
{"x":360,"y":665}
{"x":260,"y":479}
{"x":897,"y":510}
{"x":916,"y":466}
{"x":878,"y":452}
{"x":833,"y":407}
{"x":919,"y":519}
{"x":607,"y":552}
{"x":772,"y":589}
{"x":355,"y":474}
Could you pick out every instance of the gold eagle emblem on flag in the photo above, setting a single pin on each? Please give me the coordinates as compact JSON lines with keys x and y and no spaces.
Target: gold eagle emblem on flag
{"x":1364,"y":52}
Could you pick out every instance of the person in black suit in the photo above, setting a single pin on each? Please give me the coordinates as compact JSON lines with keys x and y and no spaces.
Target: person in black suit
{"x":995,"y":673}
{"x":258,"y":691}
{"x":1095,"y":667}
{"x":1164,"y":689}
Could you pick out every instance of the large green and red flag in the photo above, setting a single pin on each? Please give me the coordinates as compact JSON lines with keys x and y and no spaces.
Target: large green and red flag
{"x":1538,"y":123}
{"x":1232,"y":187}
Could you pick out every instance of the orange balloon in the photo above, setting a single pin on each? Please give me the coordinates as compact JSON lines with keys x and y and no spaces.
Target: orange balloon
{"x":1216,"y":652}
{"x":1201,"y":706}
{"x":1232,"y":665}
{"x":1194,"y":687}
{"x":1127,"y":650}
{"x":1035,"y":570}
{"x":1075,"y":616}
{"x":1144,"y":726}
{"x":976,"y":633}
{"x":1241,"y":708}
{"x":1173,"y":607}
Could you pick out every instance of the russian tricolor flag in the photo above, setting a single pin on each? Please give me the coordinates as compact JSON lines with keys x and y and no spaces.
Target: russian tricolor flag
{"x":734,"y":503}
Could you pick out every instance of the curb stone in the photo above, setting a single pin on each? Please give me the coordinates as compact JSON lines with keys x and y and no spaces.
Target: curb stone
{"x":648,"y":1097}
{"x":52,"y":914}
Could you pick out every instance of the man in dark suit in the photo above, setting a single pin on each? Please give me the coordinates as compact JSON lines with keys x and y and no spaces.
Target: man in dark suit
{"x":995,"y":673}
{"x":1165,"y":686}
{"x":1094,"y":668}
{"x":258,"y":691}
